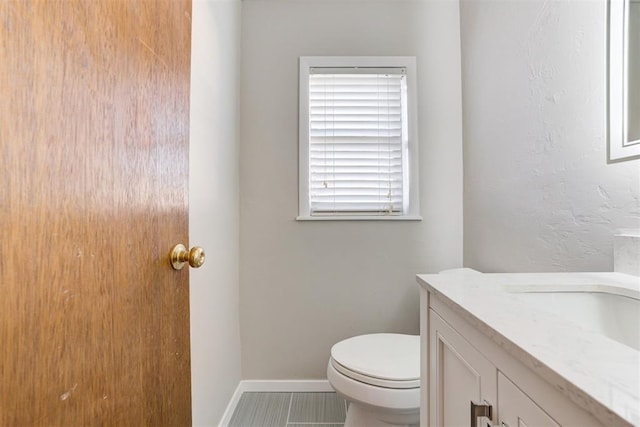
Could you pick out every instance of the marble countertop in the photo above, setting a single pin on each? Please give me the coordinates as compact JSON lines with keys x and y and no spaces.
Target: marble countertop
{"x":597,"y":373}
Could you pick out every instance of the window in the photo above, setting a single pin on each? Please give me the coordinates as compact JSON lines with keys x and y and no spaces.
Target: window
{"x":358,"y":138}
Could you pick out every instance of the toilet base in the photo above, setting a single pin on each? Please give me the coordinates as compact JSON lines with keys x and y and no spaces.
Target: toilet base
{"x":362,"y":416}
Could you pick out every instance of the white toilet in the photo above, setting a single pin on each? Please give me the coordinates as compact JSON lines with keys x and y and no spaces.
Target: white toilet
{"x":379,"y":374}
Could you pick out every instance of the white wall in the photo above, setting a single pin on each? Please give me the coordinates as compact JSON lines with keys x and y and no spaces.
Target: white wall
{"x":538,"y":193}
{"x":307,"y":285}
{"x":213,"y":207}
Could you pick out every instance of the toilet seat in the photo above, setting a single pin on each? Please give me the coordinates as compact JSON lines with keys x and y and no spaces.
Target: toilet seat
{"x":378,"y":382}
{"x":382,"y":360}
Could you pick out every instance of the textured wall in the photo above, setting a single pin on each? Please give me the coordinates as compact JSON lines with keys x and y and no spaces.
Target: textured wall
{"x":213,"y":207}
{"x":538,"y":193}
{"x":307,"y":285}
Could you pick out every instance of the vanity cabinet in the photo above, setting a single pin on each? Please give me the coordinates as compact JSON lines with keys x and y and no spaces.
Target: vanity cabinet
{"x":465,"y":366}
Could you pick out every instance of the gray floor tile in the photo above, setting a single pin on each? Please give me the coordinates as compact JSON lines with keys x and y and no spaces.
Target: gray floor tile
{"x":315,"y":425}
{"x":317,"y":408}
{"x":261,"y":410}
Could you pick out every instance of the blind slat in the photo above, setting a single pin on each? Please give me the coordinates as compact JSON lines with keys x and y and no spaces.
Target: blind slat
{"x":354,"y":141}
{"x":317,"y":133}
{"x":357,"y":118}
{"x":353,"y":176}
{"x":355,"y":111}
{"x":356,"y":103}
{"x":368,"y":161}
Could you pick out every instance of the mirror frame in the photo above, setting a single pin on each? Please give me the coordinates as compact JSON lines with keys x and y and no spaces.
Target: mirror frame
{"x":617,"y":146}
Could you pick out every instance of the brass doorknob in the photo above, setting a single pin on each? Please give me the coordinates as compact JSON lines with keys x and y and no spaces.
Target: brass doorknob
{"x":180,"y":255}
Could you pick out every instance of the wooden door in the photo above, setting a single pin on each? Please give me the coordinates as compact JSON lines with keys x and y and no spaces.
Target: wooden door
{"x":94,"y":120}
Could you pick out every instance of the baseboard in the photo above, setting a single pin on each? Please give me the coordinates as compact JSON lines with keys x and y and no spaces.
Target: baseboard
{"x":231,"y":406}
{"x":274,"y":386}
{"x":290,"y":386}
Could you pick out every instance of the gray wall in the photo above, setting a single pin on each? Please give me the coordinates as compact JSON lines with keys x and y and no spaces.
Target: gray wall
{"x":307,"y":285}
{"x":214,"y":207}
{"x":538,"y":193}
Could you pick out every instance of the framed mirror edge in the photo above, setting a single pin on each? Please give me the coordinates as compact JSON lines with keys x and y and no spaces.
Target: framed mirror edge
{"x":618,"y":149}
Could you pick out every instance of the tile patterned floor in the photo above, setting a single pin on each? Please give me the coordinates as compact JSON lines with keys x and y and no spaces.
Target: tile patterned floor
{"x":289,"y":410}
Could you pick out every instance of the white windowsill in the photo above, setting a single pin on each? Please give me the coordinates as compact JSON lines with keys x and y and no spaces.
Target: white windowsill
{"x":360,"y":218}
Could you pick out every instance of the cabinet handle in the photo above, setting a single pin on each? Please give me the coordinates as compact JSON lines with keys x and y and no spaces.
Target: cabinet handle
{"x":479,"y":410}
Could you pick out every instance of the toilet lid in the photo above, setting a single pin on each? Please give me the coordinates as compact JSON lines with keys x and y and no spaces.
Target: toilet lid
{"x":393,"y":358}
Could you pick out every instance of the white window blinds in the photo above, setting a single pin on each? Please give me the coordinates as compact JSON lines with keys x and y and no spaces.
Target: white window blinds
{"x":357,"y":141}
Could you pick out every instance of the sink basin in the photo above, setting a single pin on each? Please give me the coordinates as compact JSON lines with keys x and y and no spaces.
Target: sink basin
{"x":607,"y":310}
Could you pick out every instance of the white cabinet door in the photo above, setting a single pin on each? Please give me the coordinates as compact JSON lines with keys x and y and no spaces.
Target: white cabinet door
{"x":515,"y":409}
{"x":458,"y":375}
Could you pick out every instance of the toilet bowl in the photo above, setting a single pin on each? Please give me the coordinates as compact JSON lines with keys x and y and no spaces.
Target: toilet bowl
{"x":379,"y":375}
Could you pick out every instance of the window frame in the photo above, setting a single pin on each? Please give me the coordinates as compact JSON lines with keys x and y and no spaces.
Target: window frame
{"x":407,"y":62}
